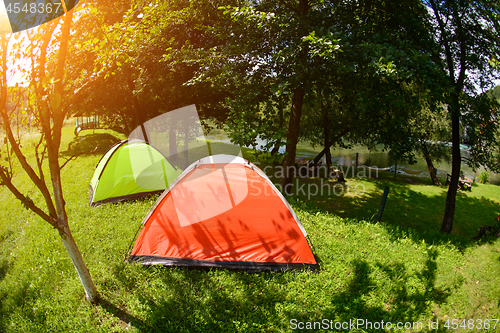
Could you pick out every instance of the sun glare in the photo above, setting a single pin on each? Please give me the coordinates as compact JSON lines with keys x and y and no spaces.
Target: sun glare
{"x":4,"y":19}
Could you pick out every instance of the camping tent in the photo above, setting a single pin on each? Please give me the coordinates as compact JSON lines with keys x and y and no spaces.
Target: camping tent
{"x":130,"y":170}
{"x":223,"y":211}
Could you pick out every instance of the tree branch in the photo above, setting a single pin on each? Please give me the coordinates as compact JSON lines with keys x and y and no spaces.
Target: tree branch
{"x":39,"y":161}
{"x":69,"y":159}
{"x":445,"y":41}
{"x":43,"y":109}
{"x":332,"y":141}
{"x":27,"y":202}
{"x":15,"y":146}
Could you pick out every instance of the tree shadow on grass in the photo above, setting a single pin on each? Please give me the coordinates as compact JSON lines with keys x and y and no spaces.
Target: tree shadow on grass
{"x":17,"y":298}
{"x":408,"y":213}
{"x":4,"y":262}
{"x":192,"y":300}
{"x":420,"y":216}
{"x":91,"y":143}
{"x":4,"y":267}
{"x":11,"y":295}
{"x":411,"y":302}
{"x":201,"y":300}
{"x":125,"y":319}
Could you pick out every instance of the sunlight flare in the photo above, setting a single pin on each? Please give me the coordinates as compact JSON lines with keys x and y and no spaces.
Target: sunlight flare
{"x":4,"y":19}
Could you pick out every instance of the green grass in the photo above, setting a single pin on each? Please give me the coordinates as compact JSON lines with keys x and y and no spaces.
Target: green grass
{"x":411,"y":203}
{"x":399,"y":270}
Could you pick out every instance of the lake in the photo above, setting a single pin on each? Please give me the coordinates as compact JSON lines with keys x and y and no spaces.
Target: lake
{"x":375,"y":158}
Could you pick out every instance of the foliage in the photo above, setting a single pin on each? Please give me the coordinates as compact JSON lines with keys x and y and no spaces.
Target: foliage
{"x":99,"y":79}
{"x":346,"y":57}
{"x":484,"y":177}
{"x":376,"y":89}
{"x":467,"y":43}
{"x":134,"y":64}
{"x":260,"y":130}
{"x":495,"y":92}
{"x":480,"y":116}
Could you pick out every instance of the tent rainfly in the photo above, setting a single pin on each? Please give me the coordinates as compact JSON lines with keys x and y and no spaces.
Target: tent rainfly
{"x":130,"y":170}
{"x":223,"y":211}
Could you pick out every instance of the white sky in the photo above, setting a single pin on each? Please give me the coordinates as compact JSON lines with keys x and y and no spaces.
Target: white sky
{"x":13,"y":76}
{"x":4,"y":20}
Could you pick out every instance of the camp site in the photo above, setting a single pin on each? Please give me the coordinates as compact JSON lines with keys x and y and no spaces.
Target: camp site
{"x":250,"y":166}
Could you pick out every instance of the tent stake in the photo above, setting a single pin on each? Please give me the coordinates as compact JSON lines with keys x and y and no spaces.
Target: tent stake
{"x":382,"y":204}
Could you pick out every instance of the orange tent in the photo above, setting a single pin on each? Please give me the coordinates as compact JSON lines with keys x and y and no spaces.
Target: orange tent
{"x":223,"y":211}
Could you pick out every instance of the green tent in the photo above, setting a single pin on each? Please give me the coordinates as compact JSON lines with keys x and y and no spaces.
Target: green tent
{"x":130,"y":170}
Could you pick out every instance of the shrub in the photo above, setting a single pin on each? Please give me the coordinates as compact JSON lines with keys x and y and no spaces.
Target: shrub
{"x":484,"y":177}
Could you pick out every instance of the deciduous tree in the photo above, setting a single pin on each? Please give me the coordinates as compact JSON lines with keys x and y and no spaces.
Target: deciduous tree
{"x":467,"y":36}
{"x":48,"y":50}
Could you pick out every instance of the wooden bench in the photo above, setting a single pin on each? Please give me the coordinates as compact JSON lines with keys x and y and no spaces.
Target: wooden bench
{"x":464,"y":183}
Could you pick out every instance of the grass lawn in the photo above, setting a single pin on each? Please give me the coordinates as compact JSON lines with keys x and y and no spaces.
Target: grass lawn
{"x":400,"y":270}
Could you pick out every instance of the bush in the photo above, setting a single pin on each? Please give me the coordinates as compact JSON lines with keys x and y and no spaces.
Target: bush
{"x":484,"y":177}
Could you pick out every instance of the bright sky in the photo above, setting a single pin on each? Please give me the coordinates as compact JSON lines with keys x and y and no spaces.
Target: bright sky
{"x":4,"y":20}
{"x":13,"y":76}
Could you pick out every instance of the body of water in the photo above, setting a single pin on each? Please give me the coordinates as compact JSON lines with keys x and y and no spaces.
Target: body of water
{"x":374,"y":158}
{"x":381,"y":159}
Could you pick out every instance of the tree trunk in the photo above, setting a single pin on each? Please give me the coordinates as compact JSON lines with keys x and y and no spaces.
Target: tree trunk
{"x":356,"y":165}
{"x":328,"y":161}
{"x":456,"y":159}
{"x":301,"y":66}
{"x":172,"y":140}
{"x":454,"y":65}
{"x":323,"y":152}
{"x":51,"y":122}
{"x":186,"y":145}
{"x":63,"y":227}
{"x":53,"y":141}
{"x":327,"y":141}
{"x":83,"y":273}
{"x":430,"y":166}
{"x":292,"y":139}
{"x":138,"y":114}
{"x":277,"y":145}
